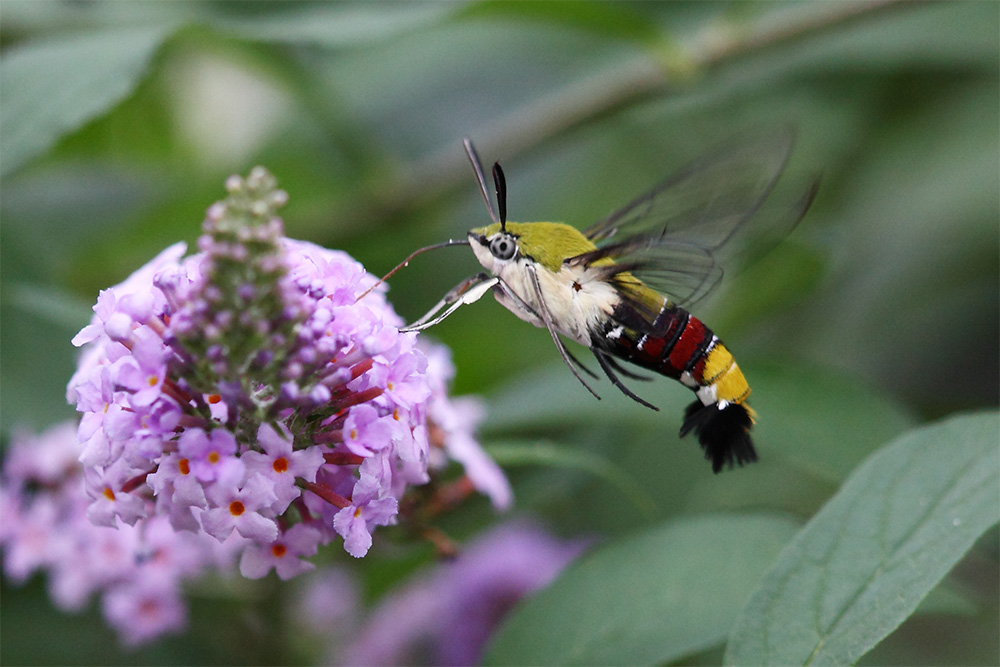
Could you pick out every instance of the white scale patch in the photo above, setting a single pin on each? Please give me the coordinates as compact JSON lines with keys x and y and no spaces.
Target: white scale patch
{"x":575,"y":312}
{"x":709,"y":395}
{"x":711,"y":345}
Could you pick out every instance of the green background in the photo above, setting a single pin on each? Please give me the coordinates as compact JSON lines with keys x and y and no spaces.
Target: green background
{"x":120,"y":121}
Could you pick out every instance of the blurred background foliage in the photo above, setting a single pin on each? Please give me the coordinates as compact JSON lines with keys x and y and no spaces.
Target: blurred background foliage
{"x":121,"y":120}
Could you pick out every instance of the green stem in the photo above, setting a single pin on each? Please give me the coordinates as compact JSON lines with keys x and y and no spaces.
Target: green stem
{"x":615,"y":88}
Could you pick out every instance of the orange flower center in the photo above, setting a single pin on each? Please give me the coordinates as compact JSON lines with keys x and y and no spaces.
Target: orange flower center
{"x":148,"y":608}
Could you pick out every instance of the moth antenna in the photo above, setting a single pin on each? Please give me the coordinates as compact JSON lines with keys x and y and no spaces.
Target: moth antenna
{"x":477,"y":167}
{"x":501,"y":182}
{"x":445,"y":244}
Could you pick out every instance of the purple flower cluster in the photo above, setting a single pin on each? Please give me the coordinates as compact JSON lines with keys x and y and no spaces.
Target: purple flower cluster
{"x":254,"y":400}
{"x":247,"y":388}
{"x":443,"y":616}
{"x":138,"y":569}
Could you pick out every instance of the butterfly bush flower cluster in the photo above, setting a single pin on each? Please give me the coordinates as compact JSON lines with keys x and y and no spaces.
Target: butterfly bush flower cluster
{"x":248,"y":403}
{"x":445,"y":614}
{"x":251,"y":388}
{"x":138,"y":569}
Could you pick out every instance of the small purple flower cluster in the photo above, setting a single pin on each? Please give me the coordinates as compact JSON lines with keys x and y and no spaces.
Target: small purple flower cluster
{"x":139,"y":569}
{"x":248,"y":395}
{"x":444,"y":615}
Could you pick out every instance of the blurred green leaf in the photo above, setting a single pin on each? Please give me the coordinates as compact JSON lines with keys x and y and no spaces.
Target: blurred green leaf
{"x":821,"y":420}
{"x":36,"y":358}
{"x":601,"y":18}
{"x":549,"y":454}
{"x":946,"y":599}
{"x":55,"y":213}
{"x":864,"y":563}
{"x":549,"y":396}
{"x":30,"y":636}
{"x":917,"y":267}
{"x":905,"y":35}
{"x":777,"y":282}
{"x":651,"y":598}
{"x":340,"y":24}
{"x":913,"y":34}
{"x":53,"y":86}
{"x":47,"y":304}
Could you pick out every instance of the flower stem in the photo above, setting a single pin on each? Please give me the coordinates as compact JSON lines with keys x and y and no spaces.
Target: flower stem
{"x":614,"y":88}
{"x":358,"y":398}
{"x":343,"y":459}
{"x":324,"y":492}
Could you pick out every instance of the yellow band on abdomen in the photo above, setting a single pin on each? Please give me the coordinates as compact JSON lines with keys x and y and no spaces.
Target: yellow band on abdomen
{"x":722,"y":371}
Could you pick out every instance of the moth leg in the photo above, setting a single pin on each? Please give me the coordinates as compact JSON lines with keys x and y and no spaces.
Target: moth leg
{"x":546,"y":317}
{"x":626,"y":372}
{"x":579,"y":364}
{"x":519,"y":302}
{"x":603,"y":360}
{"x":468,"y":291}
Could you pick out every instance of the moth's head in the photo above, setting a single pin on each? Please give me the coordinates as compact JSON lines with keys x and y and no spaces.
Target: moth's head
{"x":547,"y":243}
{"x":504,"y":244}
{"x":495,"y":245}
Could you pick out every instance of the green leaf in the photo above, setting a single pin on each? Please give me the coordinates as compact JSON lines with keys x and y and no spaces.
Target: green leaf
{"x":340,"y":25}
{"x":947,"y":600}
{"x":549,"y":454}
{"x":48,"y":304}
{"x":36,"y":358}
{"x":599,"y":18}
{"x":550,"y":395}
{"x":819,"y":420}
{"x":866,"y":560}
{"x":783,"y":277}
{"x":51,"y":87}
{"x":650,"y":598}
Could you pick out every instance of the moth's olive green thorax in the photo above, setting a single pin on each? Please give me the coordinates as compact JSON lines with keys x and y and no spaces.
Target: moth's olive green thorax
{"x":548,"y":243}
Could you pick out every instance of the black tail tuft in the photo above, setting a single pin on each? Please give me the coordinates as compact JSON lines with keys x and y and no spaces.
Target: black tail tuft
{"x":724,"y":433}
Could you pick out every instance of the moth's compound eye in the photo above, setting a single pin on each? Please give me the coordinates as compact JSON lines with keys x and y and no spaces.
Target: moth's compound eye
{"x":503,"y":246}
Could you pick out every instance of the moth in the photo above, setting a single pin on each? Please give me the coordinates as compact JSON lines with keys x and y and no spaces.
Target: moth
{"x":622,"y":287}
